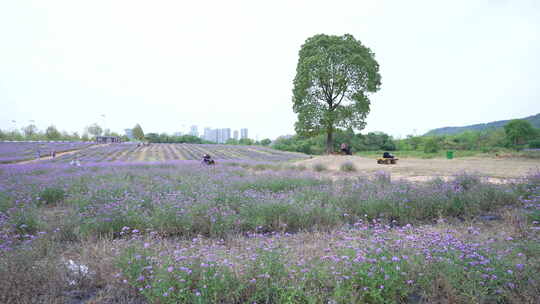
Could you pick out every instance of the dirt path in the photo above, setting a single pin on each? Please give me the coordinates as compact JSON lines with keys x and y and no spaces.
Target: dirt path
{"x":415,"y":169}
{"x":58,"y":154}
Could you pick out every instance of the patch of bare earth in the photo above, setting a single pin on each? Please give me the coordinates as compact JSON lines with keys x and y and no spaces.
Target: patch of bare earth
{"x":497,"y":170}
{"x":58,"y":154}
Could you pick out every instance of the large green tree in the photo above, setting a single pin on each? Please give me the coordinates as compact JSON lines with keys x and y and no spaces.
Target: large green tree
{"x":334,"y":77}
{"x":518,"y":131}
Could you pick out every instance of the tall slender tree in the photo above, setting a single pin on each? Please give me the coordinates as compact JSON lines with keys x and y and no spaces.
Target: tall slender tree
{"x":138,"y":132}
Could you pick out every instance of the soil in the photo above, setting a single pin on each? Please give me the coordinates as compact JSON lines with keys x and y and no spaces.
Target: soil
{"x":415,"y":169}
{"x":58,"y":154}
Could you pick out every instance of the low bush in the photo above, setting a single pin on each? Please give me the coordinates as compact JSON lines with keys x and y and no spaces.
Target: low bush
{"x":319,"y":167}
{"x":347,"y":167}
{"x":52,"y":195}
{"x":279,"y":184}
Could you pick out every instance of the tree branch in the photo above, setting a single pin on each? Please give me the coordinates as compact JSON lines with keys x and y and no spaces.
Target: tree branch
{"x":342,"y":95}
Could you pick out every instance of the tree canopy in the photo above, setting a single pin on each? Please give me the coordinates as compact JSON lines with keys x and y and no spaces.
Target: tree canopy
{"x":138,"y":132}
{"x":334,"y":77}
{"x":30,"y":130}
{"x":518,"y":131}
{"x":94,"y":130}
{"x":52,"y":133}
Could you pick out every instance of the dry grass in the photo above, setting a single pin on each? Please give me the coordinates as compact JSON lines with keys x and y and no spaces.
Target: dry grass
{"x":39,"y":275}
{"x":422,"y":169}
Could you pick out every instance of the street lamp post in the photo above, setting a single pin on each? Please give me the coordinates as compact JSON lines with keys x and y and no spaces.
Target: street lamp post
{"x":104,"y":124}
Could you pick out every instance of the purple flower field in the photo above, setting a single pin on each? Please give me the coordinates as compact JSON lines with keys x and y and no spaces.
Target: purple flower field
{"x":20,"y":151}
{"x":12,"y":152}
{"x":180,"y":232}
{"x":130,"y":152}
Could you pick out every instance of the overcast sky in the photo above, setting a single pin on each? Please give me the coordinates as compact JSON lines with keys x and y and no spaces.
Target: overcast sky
{"x":171,"y":64}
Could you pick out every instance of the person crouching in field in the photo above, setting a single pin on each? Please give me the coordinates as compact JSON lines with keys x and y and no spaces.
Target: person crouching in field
{"x":75,"y":162}
{"x":345,"y":149}
{"x":207,"y":160}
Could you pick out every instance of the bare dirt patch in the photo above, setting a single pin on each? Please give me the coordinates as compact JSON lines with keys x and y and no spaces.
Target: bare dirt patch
{"x":414,"y":169}
{"x":58,"y":154}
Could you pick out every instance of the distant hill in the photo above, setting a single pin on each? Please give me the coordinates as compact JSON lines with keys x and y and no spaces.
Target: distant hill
{"x":534,"y":120}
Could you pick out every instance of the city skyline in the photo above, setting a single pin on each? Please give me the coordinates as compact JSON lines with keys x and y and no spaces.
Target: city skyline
{"x":222,"y":135}
{"x":217,"y":135}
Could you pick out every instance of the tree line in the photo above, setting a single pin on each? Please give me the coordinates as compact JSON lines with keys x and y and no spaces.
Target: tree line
{"x":32,"y":132}
{"x":517,"y":134}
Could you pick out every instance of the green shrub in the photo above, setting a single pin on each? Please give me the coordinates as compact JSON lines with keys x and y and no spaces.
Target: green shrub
{"x":466,"y":181}
{"x":300,"y":167}
{"x":52,"y":195}
{"x":25,"y":220}
{"x":319,"y":167}
{"x":534,"y":217}
{"x":431,"y":146}
{"x":347,"y":167}
{"x":261,"y":167}
{"x":279,"y":184}
{"x":534,"y":144}
{"x":5,"y":202}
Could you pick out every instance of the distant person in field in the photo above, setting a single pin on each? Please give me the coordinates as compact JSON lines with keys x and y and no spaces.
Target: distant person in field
{"x":53,"y":154}
{"x":75,"y":162}
{"x":38,"y":154}
{"x":345,"y":149}
{"x":207,"y":160}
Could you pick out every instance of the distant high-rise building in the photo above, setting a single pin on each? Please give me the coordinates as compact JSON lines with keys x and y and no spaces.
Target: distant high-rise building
{"x":213,"y":135}
{"x":219,"y":136}
{"x":177,"y":134}
{"x":207,"y":132}
{"x":129,"y":133}
{"x":235,"y":134}
{"x":243,"y":133}
{"x":225,"y":135}
{"x":193,"y":131}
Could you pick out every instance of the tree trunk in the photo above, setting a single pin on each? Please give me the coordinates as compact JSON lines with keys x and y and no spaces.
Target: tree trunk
{"x":329,"y":141}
